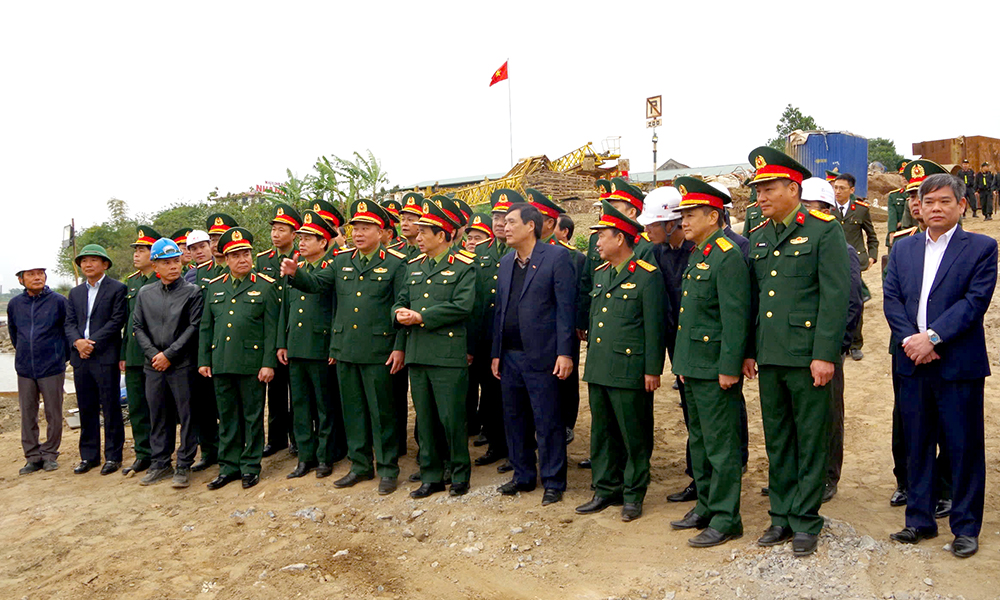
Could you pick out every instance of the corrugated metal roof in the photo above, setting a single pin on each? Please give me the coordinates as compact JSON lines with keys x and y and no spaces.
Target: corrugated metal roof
{"x":669,"y":174}
{"x":454,"y":181}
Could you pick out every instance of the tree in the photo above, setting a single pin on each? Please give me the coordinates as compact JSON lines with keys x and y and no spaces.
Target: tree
{"x":364,"y":176}
{"x":791,"y":120}
{"x":883,"y":150}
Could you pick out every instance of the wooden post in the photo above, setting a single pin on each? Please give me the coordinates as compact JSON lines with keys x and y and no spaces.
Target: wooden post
{"x":72,"y":233}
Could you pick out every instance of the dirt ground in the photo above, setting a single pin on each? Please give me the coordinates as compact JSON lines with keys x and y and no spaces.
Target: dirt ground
{"x":69,"y":536}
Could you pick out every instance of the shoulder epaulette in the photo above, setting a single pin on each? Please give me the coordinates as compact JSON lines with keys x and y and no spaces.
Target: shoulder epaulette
{"x":348,"y":249}
{"x":219,"y":278}
{"x":896,"y":190}
{"x":903,"y":232}
{"x":323,"y":264}
{"x":133,"y":275}
{"x":603,"y":265}
{"x":467,"y":253}
{"x":395,"y":253}
{"x":264,"y":252}
{"x":416,"y":258}
{"x":594,"y":231}
{"x":205,"y":264}
{"x":645,"y":236}
{"x":265,"y":278}
{"x":755,"y":204}
{"x":822,"y":216}
{"x":865,"y":204}
{"x":463,"y":257}
{"x":723,"y":244}
{"x":645,"y":265}
{"x":764,"y":222}
{"x":567,"y":246}
{"x":302,"y":263}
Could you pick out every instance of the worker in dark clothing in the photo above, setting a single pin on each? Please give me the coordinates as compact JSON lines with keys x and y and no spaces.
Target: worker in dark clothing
{"x":968,"y":177}
{"x":984,"y":186}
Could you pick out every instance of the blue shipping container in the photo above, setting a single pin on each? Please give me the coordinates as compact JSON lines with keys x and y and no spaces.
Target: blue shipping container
{"x":833,"y":151}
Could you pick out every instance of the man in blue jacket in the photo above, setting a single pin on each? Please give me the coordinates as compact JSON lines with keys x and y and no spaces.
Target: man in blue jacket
{"x":532,"y":350}
{"x":937,"y":289}
{"x":35,"y":320}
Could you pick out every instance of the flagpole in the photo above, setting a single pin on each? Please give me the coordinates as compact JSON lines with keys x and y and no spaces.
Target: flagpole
{"x":510,"y":117}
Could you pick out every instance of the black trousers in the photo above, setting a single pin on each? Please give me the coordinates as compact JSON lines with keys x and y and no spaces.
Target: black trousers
{"x":98,"y":391}
{"x":490,"y":402}
{"x":970,"y":198}
{"x":400,"y":388}
{"x":205,"y":416}
{"x":986,"y":202}
{"x":279,"y":414}
{"x":166,"y":389}
{"x":942,"y":486}
{"x":835,"y":439}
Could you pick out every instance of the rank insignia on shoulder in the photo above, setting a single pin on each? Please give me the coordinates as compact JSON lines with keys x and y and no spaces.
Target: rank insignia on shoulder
{"x":265,"y":278}
{"x":380,"y":270}
{"x":346,"y":268}
{"x":395,"y":253}
{"x":447,"y":273}
{"x":253,"y":293}
{"x":798,"y":240}
{"x":822,"y":216}
{"x":264,"y":252}
{"x":702,"y":266}
{"x":604,"y":265}
{"x":724,"y":244}
{"x":302,"y":263}
{"x":416,"y":258}
{"x":219,"y":278}
{"x":645,"y":265}
{"x":860,"y":203}
{"x":465,"y":252}
{"x":463,"y":258}
{"x":628,"y":286}
{"x":765,"y":222}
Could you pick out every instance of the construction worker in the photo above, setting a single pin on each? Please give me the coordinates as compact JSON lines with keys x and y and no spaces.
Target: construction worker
{"x":236,"y":353}
{"x":437,"y":300}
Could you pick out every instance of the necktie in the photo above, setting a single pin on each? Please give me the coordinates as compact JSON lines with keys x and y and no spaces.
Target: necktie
{"x":779,"y":227}
{"x":364,"y":262}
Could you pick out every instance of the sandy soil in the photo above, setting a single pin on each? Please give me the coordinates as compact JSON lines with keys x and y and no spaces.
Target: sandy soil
{"x":66,"y":536}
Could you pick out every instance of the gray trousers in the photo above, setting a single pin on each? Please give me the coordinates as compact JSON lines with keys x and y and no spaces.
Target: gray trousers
{"x":51,"y":389}
{"x":163,"y":389}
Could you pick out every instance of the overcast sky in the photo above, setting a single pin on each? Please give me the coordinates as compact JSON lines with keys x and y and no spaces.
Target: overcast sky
{"x":157,"y":104}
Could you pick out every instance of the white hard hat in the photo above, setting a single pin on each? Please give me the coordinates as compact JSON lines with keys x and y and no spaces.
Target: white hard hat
{"x":722,"y":188}
{"x":816,"y":189}
{"x":196,"y":236}
{"x":661,"y":205}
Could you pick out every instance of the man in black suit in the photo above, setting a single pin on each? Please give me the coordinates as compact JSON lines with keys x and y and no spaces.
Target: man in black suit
{"x":532,"y":350}
{"x":95,"y":315}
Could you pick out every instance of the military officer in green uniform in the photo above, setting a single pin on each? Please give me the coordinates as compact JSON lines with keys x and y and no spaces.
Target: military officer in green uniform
{"x":132,"y":358}
{"x":409,"y":214}
{"x":216,"y":224}
{"x":390,"y":233}
{"x":899,"y":217}
{"x":437,"y":300}
{"x":304,"y":345}
{"x":801,"y":285}
{"x":285,"y":220}
{"x":711,"y":343}
{"x":180,"y":238}
{"x":364,"y":344}
{"x":626,"y":348}
{"x":236,"y":353}
{"x":500,"y":202}
{"x":753,"y":217}
{"x":334,"y":220}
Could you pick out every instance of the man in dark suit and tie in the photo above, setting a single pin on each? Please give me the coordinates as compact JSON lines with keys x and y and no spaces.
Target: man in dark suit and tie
{"x":95,"y":315}
{"x":532,"y":350}
{"x":937,"y":289}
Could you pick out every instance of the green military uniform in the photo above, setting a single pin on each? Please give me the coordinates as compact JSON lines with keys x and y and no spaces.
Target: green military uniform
{"x":711,"y":341}
{"x":180,"y":237}
{"x":899,"y":214}
{"x":858,"y":226}
{"x":443,"y":290}
{"x":304,"y":331}
{"x":500,"y":202}
{"x":753,"y":216}
{"x":203,"y":406}
{"x":626,"y":342}
{"x":363,"y":337}
{"x":333,"y":218}
{"x":237,"y":340}
{"x":801,"y":280}
{"x":131,"y":353}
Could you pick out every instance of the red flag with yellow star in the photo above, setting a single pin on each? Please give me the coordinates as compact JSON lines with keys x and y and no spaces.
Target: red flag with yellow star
{"x":499,"y":75}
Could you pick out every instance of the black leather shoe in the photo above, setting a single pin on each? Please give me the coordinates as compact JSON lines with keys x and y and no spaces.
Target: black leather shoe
{"x":765,"y":492}
{"x":293,"y":450}
{"x":222,"y":480}
{"x":505,"y":467}
{"x":31,"y":467}
{"x":829,"y":491}
{"x":912,"y":535}
{"x":270,"y":450}
{"x":551,"y":497}
{"x":804,"y":544}
{"x":597,"y":504}
{"x":386,"y":486}
{"x":631,"y":511}
{"x":965,"y":546}
{"x":857,"y":354}
{"x":775,"y":535}
{"x":427,"y":489}
{"x":712,"y":537}
{"x":301,"y":469}
{"x":691,"y":520}
{"x":898,"y":498}
{"x":414,"y":477}
{"x":584,"y":464}
{"x":140,"y":465}
{"x":323,"y":470}
{"x":489,"y":458}
{"x":204,"y":463}
{"x":459,"y":488}
{"x":686,"y":495}
{"x":250,"y":480}
{"x":51,"y":465}
{"x":480,"y":441}
{"x":350,"y":479}
{"x":85,"y":465}
{"x":943,"y":509}
{"x":511,"y":488}
{"x":110,"y":467}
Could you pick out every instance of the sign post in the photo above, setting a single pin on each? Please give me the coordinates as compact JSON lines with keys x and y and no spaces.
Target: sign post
{"x":654,"y":114}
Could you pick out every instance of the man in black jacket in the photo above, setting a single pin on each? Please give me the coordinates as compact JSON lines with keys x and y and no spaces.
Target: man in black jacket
{"x":95,"y":315}
{"x":166,"y":321}
{"x":984,"y":185}
{"x":968,"y":177}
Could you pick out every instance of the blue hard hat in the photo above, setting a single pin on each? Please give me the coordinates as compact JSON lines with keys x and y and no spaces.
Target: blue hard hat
{"x":164,"y":248}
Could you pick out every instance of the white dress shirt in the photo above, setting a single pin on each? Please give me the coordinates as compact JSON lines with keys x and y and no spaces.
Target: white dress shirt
{"x":933,"y":254}
{"x":91,"y":297}
{"x":843,"y":208}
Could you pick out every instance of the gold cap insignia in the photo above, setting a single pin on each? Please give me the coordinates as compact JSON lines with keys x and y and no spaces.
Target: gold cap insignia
{"x":141,"y":234}
{"x":477,"y":220}
{"x":309,"y":218}
{"x":614,"y":187}
{"x":280,"y":212}
{"x":218,"y":221}
{"x":362,"y":207}
{"x":759,"y":162}
{"x":411,"y":201}
{"x":918,"y":171}
{"x":237,"y":236}
{"x":427,"y":207}
{"x":682,"y":190}
{"x":438,"y":202}
{"x":503,"y":197}
{"x":316,"y":207}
